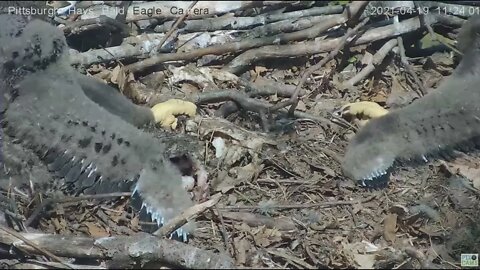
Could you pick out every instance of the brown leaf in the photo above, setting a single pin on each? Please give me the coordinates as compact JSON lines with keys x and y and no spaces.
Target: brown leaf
{"x":259,"y":69}
{"x":121,"y":77}
{"x":266,"y":237}
{"x":118,"y":211}
{"x":242,"y":246}
{"x":223,"y":182}
{"x":468,"y":167}
{"x":247,"y":172}
{"x":390,"y":227}
{"x":399,"y":96}
{"x":103,"y":75}
{"x":135,"y":223}
{"x":96,"y":231}
{"x":116,"y":75}
{"x":361,"y":252}
{"x":59,"y":224}
{"x":365,"y":261}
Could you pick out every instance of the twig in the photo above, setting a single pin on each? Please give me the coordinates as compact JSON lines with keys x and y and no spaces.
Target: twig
{"x":331,"y":154}
{"x":409,"y":68}
{"x":300,"y":263}
{"x":17,"y":217}
{"x":172,"y":29}
{"x":256,"y":220}
{"x":376,"y":60}
{"x":35,"y":246}
{"x":422,"y":259}
{"x":47,"y":202}
{"x":250,"y":104}
{"x":187,"y":215}
{"x":302,"y":206}
{"x":223,"y":227}
{"x":107,"y":54}
{"x":253,"y":90}
{"x":293,"y":100}
{"x":274,"y":88}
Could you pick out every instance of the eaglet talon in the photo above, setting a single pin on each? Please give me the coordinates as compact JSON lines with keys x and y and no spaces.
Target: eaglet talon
{"x":165,"y":112}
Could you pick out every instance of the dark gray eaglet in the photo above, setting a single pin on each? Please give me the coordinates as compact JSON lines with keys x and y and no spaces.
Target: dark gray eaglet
{"x":54,"y":111}
{"x":438,"y":124}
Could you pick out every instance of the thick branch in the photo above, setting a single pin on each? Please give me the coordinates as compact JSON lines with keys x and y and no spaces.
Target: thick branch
{"x":241,"y":45}
{"x":314,"y":47}
{"x":238,"y":23}
{"x":138,"y":247}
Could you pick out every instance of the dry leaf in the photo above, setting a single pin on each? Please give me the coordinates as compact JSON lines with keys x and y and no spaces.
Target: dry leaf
{"x":95,"y":230}
{"x":121,"y":77}
{"x":266,"y":237}
{"x":233,"y":154}
{"x":468,"y":167}
{"x":135,"y":223}
{"x":399,"y":96}
{"x":301,"y":106}
{"x":246,"y":173}
{"x":242,"y":246}
{"x":116,"y":74}
{"x":259,"y":69}
{"x":390,"y":227}
{"x":361,"y":253}
{"x":364,"y":261}
{"x":59,"y":224}
{"x":223,"y":182}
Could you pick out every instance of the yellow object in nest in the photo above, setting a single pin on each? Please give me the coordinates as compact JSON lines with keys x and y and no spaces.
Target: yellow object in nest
{"x":165,"y":112}
{"x":363,"y":110}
